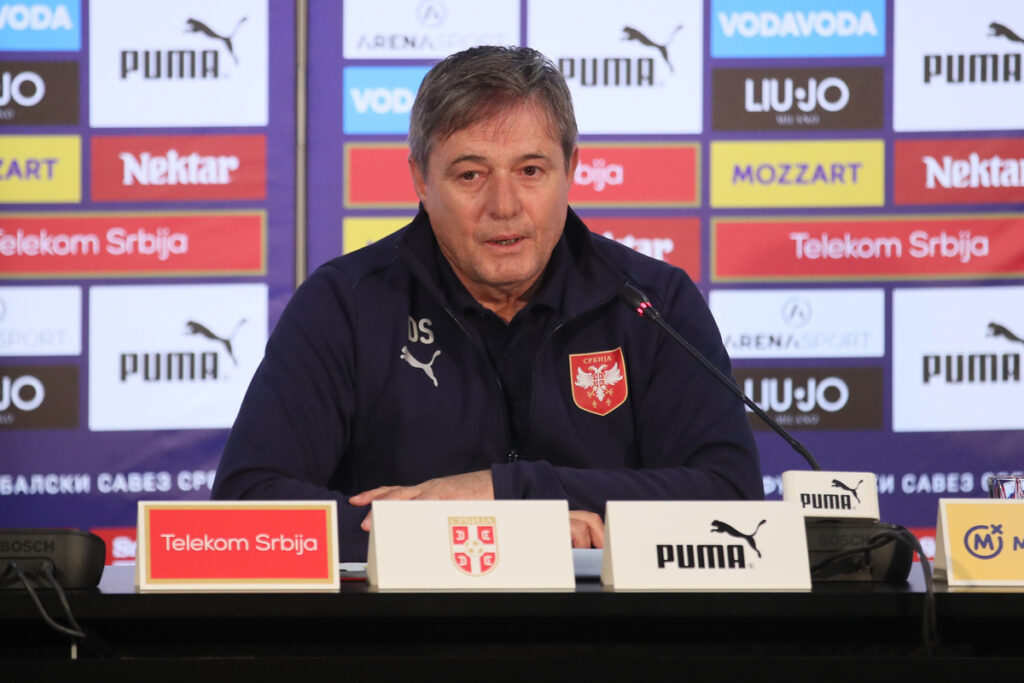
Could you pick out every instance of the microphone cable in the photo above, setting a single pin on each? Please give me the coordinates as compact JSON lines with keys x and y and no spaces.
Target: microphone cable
{"x":46,"y":569}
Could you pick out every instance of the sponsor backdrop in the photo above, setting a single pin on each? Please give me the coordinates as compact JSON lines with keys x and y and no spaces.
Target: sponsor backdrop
{"x":844,"y":179}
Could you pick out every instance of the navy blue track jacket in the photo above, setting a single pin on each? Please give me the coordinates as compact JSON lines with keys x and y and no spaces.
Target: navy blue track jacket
{"x":335,"y":409}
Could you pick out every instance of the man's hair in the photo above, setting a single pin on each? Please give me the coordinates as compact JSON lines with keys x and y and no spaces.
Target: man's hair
{"x":473,"y":85}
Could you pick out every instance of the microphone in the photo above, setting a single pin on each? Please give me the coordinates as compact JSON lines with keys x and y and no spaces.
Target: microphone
{"x":840,"y":548}
{"x":639,"y":302}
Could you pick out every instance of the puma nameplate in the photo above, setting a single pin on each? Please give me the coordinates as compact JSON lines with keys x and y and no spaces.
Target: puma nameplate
{"x":853,"y":495}
{"x":470,"y":545}
{"x":229,"y":546}
{"x":705,"y":545}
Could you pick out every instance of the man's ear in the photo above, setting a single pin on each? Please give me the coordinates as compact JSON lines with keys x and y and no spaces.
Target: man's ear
{"x":419,"y":181}
{"x":574,"y":161}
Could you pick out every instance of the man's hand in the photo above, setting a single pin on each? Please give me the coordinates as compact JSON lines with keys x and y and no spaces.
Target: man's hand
{"x":469,"y":486}
{"x":586,"y":528}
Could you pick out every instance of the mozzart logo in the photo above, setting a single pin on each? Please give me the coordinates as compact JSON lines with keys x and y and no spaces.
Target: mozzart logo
{"x":818,"y":173}
{"x":801,"y":323}
{"x":962,"y":370}
{"x":41,"y":25}
{"x":40,"y":168}
{"x":974,"y":171}
{"x":39,"y":397}
{"x":815,"y":398}
{"x":38,"y":93}
{"x":804,"y":28}
{"x":960,"y":70}
{"x":632,"y":68}
{"x":172,"y":357}
{"x":141,"y":168}
{"x":378,"y":99}
{"x":40,"y":321}
{"x":784,"y":99}
{"x":394,"y":29}
{"x":190,"y":64}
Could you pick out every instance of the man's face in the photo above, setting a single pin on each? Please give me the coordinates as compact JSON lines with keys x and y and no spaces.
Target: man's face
{"x":497,"y":193}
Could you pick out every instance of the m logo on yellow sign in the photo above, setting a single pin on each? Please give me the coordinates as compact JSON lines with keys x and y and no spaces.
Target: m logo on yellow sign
{"x":790,"y":173}
{"x":980,"y":542}
{"x":40,"y":168}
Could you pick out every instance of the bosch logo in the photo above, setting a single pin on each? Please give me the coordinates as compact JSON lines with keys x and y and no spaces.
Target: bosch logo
{"x":984,"y":541}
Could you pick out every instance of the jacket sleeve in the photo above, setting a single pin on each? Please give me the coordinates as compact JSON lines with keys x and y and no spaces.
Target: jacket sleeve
{"x":294,"y":421}
{"x":693,"y":436}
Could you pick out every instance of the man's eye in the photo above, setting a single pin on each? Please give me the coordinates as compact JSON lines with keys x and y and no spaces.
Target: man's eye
{"x":469,"y":175}
{"x":531,"y":171}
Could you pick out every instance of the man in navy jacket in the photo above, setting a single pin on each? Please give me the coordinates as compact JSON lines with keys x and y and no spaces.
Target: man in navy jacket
{"x":482,"y":351}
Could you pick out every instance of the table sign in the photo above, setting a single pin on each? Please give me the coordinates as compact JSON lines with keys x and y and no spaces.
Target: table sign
{"x":705,"y":545}
{"x":229,"y":546}
{"x":980,"y":542}
{"x":852,"y":495}
{"x":471,"y":545}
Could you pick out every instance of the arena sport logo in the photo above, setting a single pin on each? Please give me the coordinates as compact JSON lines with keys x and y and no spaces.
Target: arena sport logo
{"x":631,"y":67}
{"x":192,"y":63}
{"x":427,"y":29}
{"x":41,"y":26}
{"x":40,"y":321}
{"x":473,"y":542}
{"x":800,"y":28}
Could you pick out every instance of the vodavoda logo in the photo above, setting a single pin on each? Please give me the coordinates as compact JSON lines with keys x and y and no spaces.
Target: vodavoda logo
{"x":961,"y":69}
{"x":960,"y":370}
{"x":44,"y":93}
{"x":801,"y":323}
{"x":632,"y":67}
{"x":193,"y":63}
{"x":797,"y":99}
{"x":172,"y":356}
{"x":815,"y":398}
{"x":798,"y":28}
{"x":39,"y":397}
{"x":40,"y":321}
{"x":41,"y":25}
{"x":378,"y":99}
{"x":426,"y":29}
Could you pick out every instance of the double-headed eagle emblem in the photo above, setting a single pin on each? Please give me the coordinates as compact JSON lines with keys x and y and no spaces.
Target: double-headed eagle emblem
{"x":598,"y":381}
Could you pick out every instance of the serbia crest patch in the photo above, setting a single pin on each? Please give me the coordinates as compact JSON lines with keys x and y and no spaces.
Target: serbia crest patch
{"x":599,"y":383}
{"x":474,"y":544}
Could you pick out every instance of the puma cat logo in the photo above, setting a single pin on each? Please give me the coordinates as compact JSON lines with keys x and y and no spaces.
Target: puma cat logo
{"x":425,"y":367}
{"x":633,"y":34}
{"x":1000,"y":30}
{"x":997,"y":330}
{"x":196,"y":26}
{"x":192,"y":327}
{"x":718,"y":527}
{"x":836,"y":484}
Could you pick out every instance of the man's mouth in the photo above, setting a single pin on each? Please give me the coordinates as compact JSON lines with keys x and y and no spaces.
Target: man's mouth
{"x":506,"y":242}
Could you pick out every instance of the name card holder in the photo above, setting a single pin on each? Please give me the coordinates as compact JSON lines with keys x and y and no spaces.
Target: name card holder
{"x":980,"y":542}
{"x":471,"y":545}
{"x":705,"y":545}
{"x":850,"y":495}
{"x":229,"y":546}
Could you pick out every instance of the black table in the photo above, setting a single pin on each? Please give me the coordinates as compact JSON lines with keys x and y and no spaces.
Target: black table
{"x":837,"y":631}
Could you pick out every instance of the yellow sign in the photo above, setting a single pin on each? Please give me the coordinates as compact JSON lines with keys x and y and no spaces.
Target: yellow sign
{"x":360,"y":232}
{"x":980,"y":542}
{"x":40,"y":169}
{"x":788,"y":173}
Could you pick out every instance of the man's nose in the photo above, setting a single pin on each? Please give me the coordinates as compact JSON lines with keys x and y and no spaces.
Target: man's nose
{"x":503,"y":198}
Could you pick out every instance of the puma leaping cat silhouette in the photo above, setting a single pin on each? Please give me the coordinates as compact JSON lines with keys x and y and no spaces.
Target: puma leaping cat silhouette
{"x":719,"y":527}
{"x":425,"y":367}
{"x":196,"y":26}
